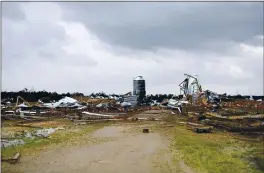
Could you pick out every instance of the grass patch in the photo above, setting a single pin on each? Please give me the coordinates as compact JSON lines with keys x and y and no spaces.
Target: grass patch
{"x":213,"y":153}
{"x":53,"y":123}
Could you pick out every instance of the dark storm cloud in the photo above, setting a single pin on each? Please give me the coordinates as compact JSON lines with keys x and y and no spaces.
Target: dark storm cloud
{"x":170,"y":25}
{"x":56,"y":45}
{"x":12,"y":11}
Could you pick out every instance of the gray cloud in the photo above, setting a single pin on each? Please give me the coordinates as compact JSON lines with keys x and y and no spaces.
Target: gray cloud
{"x":12,"y":11}
{"x":172,"y":25}
{"x":92,"y":47}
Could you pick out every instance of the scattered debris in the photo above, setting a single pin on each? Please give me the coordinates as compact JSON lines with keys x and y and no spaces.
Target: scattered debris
{"x":194,"y":124}
{"x":60,"y":128}
{"x":199,"y":107}
{"x":13,"y":160}
{"x":145,"y":130}
{"x":45,"y":132}
{"x":203,"y":129}
{"x":29,"y":135}
{"x":8,"y":143}
{"x":94,"y":114}
{"x":134,"y":119}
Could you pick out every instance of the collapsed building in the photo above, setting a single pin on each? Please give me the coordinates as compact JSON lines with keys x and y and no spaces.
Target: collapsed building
{"x":206,"y":108}
{"x":192,"y":93}
{"x":129,"y":100}
{"x":132,"y":99}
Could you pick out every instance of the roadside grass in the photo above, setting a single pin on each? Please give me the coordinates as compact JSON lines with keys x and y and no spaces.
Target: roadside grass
{"x":51,"y":123}
{"x":73,"y":135}
{"x":216,"y":152}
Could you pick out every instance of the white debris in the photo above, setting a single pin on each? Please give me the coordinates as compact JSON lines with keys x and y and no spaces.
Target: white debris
{"x":64,"y":102}
{"x":6,"y":143}
{"x":102,"y":115}
{"x":124,"y":104}
{"x":42,"y":132}
{"x":22,"y":105}
{"x":99,"y":105}
{"x":45,"y":132}
{"x":82,"y":107}
{"x":68,"y":100}
{"x":29,"y":135}
{"x":82,"y":123}
{"x":60,"y":128}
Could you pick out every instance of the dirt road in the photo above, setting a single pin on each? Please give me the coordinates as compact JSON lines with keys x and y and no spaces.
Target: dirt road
{"x":128,"y":152}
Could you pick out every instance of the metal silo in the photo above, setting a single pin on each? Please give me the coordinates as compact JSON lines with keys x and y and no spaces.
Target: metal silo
{"x":139,"y":88}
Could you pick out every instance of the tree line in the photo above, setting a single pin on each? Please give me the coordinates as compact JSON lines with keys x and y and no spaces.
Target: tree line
{"x":34,"y":96}
{"x":45,"y":96}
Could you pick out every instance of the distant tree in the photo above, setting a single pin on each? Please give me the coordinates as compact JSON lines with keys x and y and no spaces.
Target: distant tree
{"x":77,"y":94}
{"x":170,"y":96}
{"x":25,"y":90}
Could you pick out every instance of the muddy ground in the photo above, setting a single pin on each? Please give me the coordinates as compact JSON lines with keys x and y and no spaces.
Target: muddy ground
{"x":128,"y":150}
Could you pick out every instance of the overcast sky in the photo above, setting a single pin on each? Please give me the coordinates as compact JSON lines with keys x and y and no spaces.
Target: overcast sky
{"x":91,"y":47}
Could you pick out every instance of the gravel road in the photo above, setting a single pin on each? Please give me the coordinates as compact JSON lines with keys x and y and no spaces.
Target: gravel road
{"x":128,"y":152}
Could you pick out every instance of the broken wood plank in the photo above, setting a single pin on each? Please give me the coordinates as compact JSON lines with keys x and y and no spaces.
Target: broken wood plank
{"x":16,"y":156}
{"x":30,"y":126}
{"x":194,"y":124}
{"x":13,"y":160}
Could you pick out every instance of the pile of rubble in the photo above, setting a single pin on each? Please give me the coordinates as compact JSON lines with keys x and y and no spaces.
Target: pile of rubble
{"x":31,"y":135}
{"x":8,"y":143}
{"x":207,"y":108}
